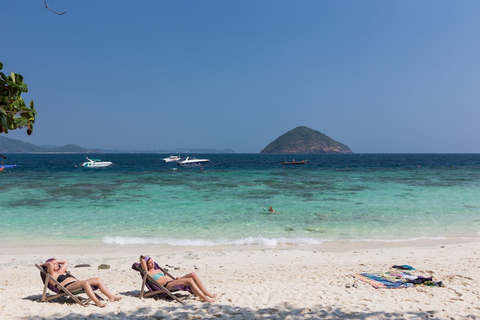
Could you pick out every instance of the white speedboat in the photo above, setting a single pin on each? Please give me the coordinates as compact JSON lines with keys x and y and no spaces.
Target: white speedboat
{"x":95,"y":163}
{"x":172,"y":159}
{"x":192,"y":162}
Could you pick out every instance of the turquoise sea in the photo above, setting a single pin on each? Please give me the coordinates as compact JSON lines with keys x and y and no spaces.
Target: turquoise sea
{"x":47,"y":199}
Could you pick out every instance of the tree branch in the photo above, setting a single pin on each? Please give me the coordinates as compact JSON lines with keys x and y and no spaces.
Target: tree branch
{"x":59,"y":13}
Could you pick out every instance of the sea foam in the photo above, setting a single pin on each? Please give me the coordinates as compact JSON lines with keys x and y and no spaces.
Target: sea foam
{"x":259,"y":240}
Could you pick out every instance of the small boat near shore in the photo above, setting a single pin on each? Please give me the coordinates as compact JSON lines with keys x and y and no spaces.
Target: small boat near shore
{"x":95,"y":163}
{"x":6,"y":166}
{"x":294,"y":162}
{"x":172,"y":159}
{"x":192,"y":162}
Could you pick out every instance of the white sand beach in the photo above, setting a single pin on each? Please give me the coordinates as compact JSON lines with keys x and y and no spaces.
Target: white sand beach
{"x":256,"y":283}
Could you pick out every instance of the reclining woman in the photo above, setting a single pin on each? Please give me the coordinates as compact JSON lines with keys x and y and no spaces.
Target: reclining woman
{"x":58,"y":270}
{"x":191,"y":279}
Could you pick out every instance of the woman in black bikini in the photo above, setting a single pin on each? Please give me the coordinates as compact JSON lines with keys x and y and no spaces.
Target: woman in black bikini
{"x":191,"y":279}
{"x":58,"y":270}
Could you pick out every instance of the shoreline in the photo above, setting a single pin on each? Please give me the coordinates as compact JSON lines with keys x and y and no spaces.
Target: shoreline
{"x":291,"y":282}
{"x":9,"y":251}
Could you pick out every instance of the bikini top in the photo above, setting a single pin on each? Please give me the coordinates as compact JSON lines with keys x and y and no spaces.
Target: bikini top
{"x":62,"y":277}
{"x":157,"y":276}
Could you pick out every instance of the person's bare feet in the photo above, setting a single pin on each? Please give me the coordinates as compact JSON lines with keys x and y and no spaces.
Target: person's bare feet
{"x":115,"y":298}
{"x":208,"y":294}
{"x":101,"y":304}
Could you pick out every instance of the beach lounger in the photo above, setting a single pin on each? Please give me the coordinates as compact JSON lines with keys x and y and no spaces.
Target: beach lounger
{"x":47,"y":280}
{"x":155,"y":288}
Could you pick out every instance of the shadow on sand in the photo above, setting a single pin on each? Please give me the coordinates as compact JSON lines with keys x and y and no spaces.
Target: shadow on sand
{"x":221,"y":311}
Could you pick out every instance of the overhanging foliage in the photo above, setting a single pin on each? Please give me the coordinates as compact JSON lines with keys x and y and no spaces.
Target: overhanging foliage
{"x":14,"y":113}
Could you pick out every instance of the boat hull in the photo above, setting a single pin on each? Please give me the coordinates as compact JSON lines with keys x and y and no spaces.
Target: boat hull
{"x":102,"y":164}
{"x":294,"y":162}
{"x":192,"y":162}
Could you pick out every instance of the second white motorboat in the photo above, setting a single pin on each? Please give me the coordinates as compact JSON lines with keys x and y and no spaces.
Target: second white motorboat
{"x":192,"y":162}
{"x":172,"y":159}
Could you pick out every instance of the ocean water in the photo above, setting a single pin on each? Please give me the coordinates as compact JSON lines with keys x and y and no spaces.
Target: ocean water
{"x":47,"y":199}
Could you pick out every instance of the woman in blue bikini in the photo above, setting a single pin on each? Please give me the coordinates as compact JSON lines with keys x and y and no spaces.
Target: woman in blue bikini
{"x":58,"y":270}
{"x":191,"y":279}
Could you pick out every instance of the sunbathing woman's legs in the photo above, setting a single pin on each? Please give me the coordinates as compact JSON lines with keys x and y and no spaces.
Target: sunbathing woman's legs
{"x":88,"y":290}
{"x":103,"y":288}
{"x":87,"y":286}
{"x":192,"y":284}
{"x":199,"y":283}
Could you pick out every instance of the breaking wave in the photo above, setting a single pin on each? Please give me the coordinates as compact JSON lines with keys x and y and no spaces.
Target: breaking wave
{"x":261,"y":241}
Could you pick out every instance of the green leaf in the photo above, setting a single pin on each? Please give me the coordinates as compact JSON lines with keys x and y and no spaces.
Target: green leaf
{"x":19,"y":79}
{"x":20,"y":122}
{"x":15,"y":105}
{"x":3,"y":122}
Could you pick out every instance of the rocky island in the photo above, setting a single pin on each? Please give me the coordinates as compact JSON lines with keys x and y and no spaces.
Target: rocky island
{"x":305,"y":140}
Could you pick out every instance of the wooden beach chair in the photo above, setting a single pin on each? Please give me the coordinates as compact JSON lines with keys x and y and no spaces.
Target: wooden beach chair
{"x":156,"y":289}
{"x":59,"y":290}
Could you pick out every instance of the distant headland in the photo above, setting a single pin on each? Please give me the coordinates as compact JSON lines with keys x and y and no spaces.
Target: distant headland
{"x":8,"y":145}
{"x":305,"y":140}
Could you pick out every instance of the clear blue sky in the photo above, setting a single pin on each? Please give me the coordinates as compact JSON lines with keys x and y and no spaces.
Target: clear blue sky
{"x":378,"y":76}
